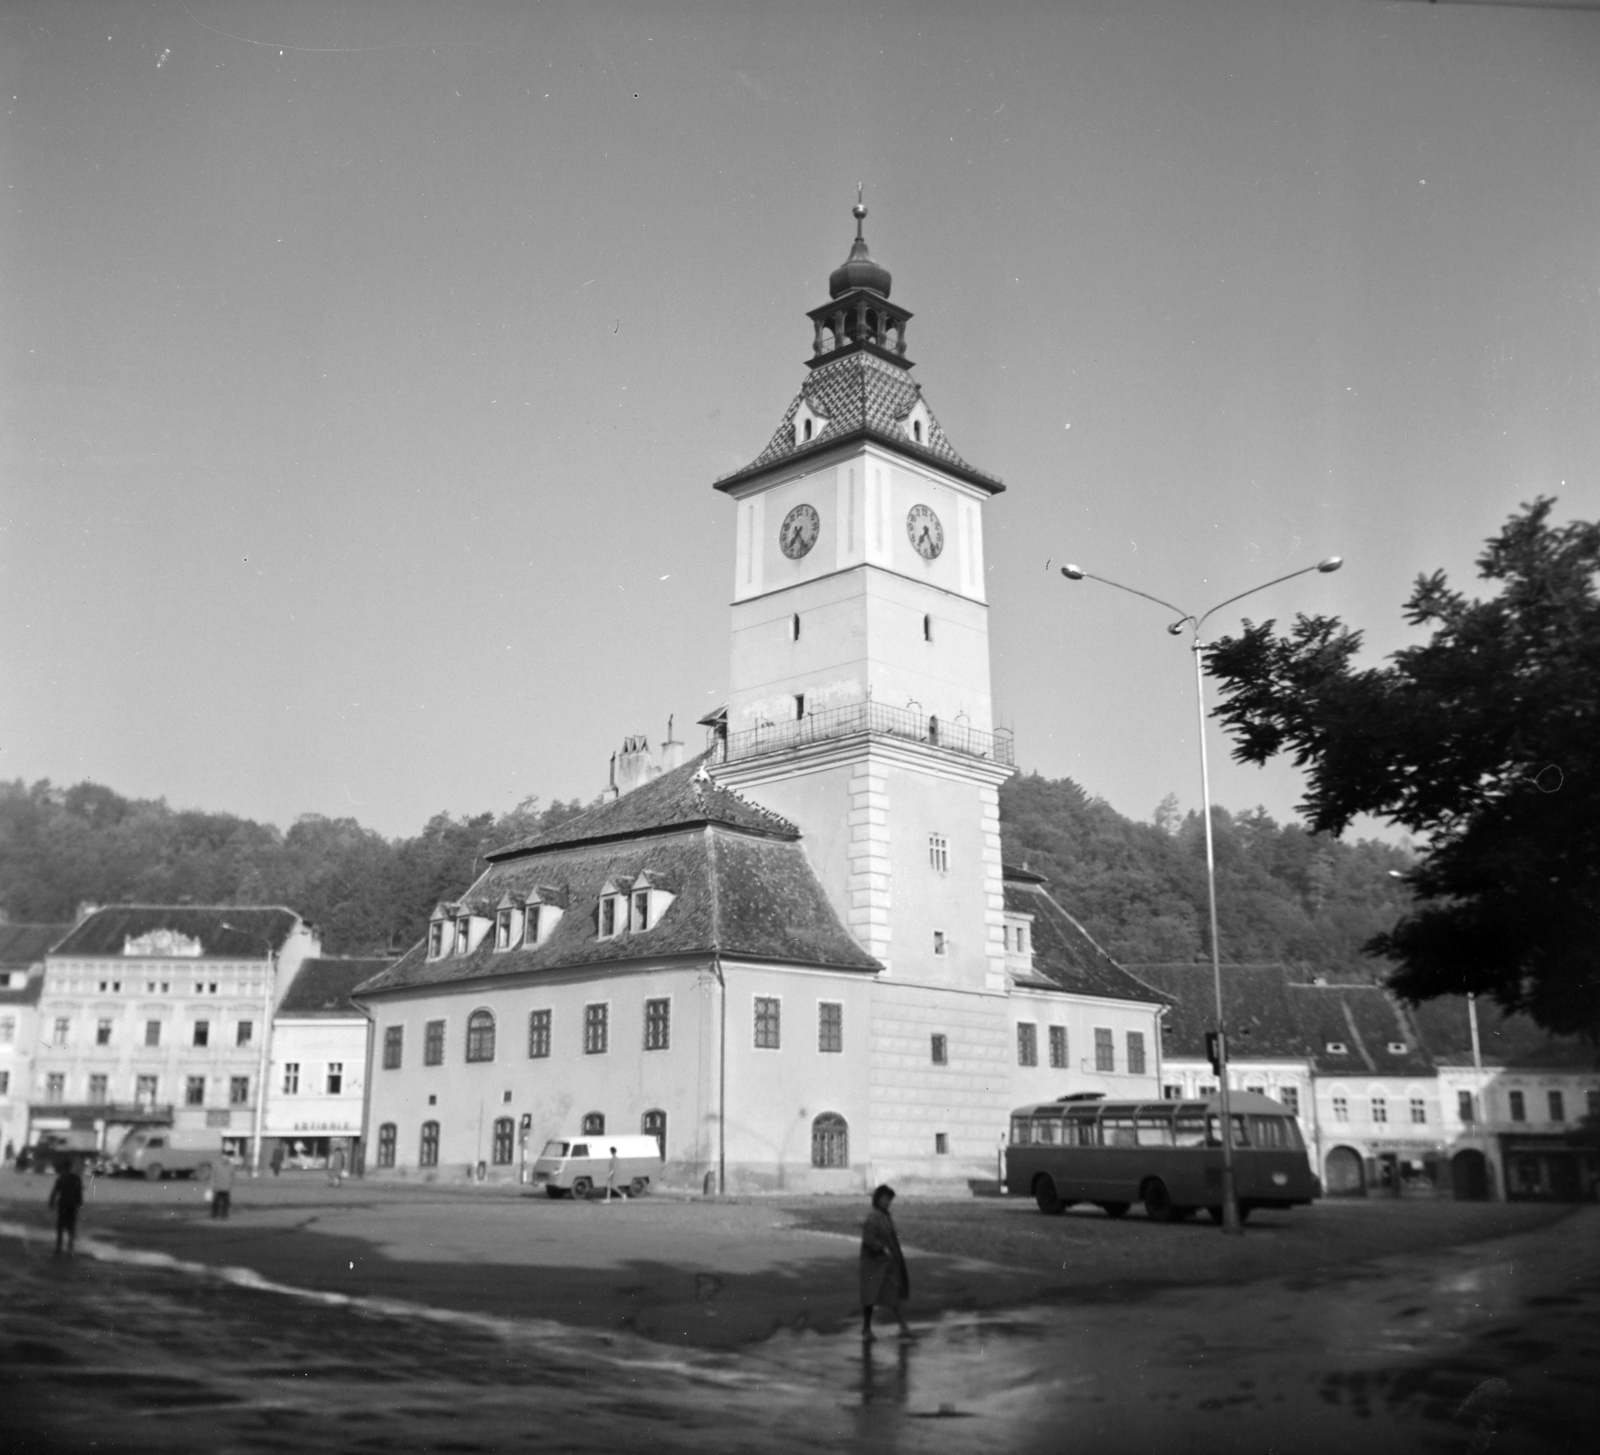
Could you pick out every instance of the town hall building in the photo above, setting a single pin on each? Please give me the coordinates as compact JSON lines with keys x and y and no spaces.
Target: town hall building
{"x":796,"y":959}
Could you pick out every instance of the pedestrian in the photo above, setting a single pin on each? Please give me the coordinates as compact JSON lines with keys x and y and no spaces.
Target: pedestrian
{"x":336,"y":1167}
{"x":221,"y":1187}
{"x":277,"y":1158}
{"x":11,"y":1152}
{"x":884,"y":1279}
{"x":611,"y":1176}
{"x":66,"y":1197}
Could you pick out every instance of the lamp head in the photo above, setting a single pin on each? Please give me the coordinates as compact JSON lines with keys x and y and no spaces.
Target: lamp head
{"x":1176,"y":629}
{"x":1072,"y":573}
{"x":1331,"y":564}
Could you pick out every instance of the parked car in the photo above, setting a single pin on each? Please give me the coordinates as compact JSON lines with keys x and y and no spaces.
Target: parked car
{"x":577,"y":1165}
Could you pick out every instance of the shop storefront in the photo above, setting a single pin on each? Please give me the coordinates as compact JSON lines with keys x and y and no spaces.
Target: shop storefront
{"x":1371,"y":1167}
{"x":1549,"y":1169}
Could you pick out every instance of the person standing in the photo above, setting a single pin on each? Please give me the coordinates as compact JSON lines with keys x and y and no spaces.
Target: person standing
{"x":884,"y":1278}
{"x":66,"y":1197}
{"x":221,"y":1187}
{"x":277,"y":1158}
{"x":611,"y":1176}
{"x":336,"y":1167}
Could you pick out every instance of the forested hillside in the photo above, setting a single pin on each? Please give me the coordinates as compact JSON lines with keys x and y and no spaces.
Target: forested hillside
{"x":1138,"y":887}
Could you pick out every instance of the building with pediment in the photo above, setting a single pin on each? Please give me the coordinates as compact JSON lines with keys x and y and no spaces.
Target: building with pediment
{"x":798,"y":958}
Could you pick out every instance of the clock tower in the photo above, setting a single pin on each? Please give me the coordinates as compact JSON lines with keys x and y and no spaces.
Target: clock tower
{"x":859,"y":698}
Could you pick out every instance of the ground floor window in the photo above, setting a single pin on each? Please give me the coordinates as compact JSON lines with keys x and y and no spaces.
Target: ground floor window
{"x":654,"y":1124}
{"x":428,"y":1154}
{"x":504,"y":1139}
{"x":386,"y":1141}
{"x":830,"y":1141}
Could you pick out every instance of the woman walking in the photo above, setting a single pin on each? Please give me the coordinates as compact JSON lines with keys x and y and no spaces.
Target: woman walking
{"x":884,"y":1279}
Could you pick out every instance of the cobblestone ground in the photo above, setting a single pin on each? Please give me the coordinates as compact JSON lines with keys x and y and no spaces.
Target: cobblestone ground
{"x":411,"y":1319}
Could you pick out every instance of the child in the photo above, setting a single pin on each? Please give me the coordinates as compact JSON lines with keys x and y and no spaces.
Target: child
{"x":66,"y":1197}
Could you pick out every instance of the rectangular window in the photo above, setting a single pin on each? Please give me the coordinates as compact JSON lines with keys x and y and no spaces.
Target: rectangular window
{"x":502,"y":929}
{"x":202,"y":1033}
{"x":1341,"y":1108}
{"x":8,"y":1029}
{"x":55,"y":1086}
{"x":5,"y":1083}
{"x":144,"y":1090}
{"x":530,"y":925}
{"x":938,"y":942}
{"x":938,"y":853}
{"x":1105,"y":1050}
{"x":1558,"y":1106}
{"x":1519,"y":1107}
{"x":539,"y":1034}
{"x":1380,"y":1109}
{"x":244,"y":1033}
{"x":830,"y":1025}
{"x":1290,"y":1097}
{"x":1136,"y":1053}
{"x":436,"y":939}
{"x":1027,"y":1043}
{"x":97,"y":1089}
{"x":63,"y":1027}
{"x":238,"y":1091}
{"x":608,"y":917}
{"x":641,"y":910}
{"x":152,"y":1033}
{"x":941,"y":1050}
{"x":394,"y":1042}
{"x":464,"y":935}
{"x":386,"y":1141}
{"x":335,"y":1078}
{"x":433,"y":1044}
{"x":768,"y":1027}
{"x":596,"y":1029}
{"x":194,"y":1091}
{"x":1591,"y":1100}
{"x":1058,"y":1047}
{"x":291,"y":1078}
{"x":428,"y":1153}
{"x":102,"y":1033}
{"x":941,"y":1144}
{"x":657,"y":1024}
{"x":1419,"y":1111}
{"x":1464,"y":1108}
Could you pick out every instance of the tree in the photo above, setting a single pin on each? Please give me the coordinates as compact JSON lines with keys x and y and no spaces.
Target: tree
{"x":1485,"y":740}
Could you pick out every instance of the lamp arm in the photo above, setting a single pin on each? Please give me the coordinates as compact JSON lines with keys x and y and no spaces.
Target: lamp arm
{"x":1251,"y":592}
{"x":1132,"y":591}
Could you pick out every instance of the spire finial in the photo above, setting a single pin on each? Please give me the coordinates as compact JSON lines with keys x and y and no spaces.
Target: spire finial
{"x":859,"y":212}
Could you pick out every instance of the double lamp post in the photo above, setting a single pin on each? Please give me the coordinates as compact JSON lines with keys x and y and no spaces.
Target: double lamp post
{"x":1231,"y":1222}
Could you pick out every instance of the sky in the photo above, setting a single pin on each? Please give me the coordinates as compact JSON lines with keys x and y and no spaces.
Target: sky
{"x":366,"y":366}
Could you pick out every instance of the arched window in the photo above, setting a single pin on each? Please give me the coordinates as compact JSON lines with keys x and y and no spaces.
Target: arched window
{"x":808,"y":429}
{"x":916,"y":430}
{"x":830,"y":1141}
{"x":386,"y":1139}
{"x":504,"y":1138}
{"x":594,"y":1124}
{"x":933,"y":731}
{"x":654,"y":1124}
{"x":428,"y":1155}
{"x":480,"y":1036}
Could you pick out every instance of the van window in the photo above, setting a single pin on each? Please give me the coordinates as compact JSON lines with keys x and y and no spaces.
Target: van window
{"x":554,"y":1149}
{"x":580,"y":1149}
{"x":156,"y":1142}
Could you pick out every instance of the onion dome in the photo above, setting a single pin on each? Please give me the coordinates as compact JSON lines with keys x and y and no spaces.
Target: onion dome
{"x":858,"y":270}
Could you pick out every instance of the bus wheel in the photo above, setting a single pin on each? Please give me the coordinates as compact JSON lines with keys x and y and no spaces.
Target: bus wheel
{"x":1114,"y":1209}
{"x":1044,"y":1193}
{"x":1158,"y":1202}
{"x":152,"y":1172}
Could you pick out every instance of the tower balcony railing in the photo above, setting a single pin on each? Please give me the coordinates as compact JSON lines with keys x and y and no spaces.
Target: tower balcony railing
{"x":870,"y":717}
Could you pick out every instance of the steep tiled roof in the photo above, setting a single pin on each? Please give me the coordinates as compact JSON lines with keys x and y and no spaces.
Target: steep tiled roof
{"x":685,"y":796}
{"x":1255,"y":1003}
{"x":1364,"y":1018}
{"x":1065,"y":956}
{"x":24,"y":945}
{"x":861,"y":393}
{"x":104,"y":931}
{"x":736,"y":894}
{"x":323,"y":986}
{"x":1503,"y":1040}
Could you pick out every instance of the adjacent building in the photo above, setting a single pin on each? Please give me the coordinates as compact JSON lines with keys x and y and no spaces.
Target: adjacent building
{"x":22,"y":956}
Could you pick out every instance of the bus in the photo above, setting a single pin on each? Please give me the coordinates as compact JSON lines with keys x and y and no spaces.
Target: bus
{"x":1164,"y":1154}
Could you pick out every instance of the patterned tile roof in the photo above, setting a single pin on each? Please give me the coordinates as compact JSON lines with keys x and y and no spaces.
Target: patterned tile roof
{"x":685,"y":796}
{"x":1366,"y":1019}
{"x":1255,"y":1001}
{"x":1503,"y":1039}
{"x":1065,"y":956}
{"x":105,"y":931}
{"x":737,"y":894}
{"x":859,"y":393}
{"x":323,"y":986}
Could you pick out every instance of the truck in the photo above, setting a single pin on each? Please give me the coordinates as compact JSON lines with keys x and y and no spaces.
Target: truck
{"x":157,"y":1152}
{"x":576,"y":1165}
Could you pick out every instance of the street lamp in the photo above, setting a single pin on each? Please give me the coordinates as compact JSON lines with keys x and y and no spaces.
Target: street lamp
{"x":1230,"y":1201}
{"x":264,"y":1067}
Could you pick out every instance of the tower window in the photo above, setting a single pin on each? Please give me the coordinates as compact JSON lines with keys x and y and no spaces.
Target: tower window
{"x":794,"y":628}
{"x":927,"y":628}
{"x":799,"y":704}
{"x":938,"y":853}
{"x":808,"y":429}
{"x":916,"y":430}
{"x":941,"y":1050}
{"x":939,"y":942}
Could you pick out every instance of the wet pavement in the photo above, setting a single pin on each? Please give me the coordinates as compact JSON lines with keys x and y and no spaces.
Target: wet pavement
{"x":131,"y":1346}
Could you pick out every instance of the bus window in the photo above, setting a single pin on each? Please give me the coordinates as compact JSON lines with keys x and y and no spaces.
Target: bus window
{"x":1019,"y":1131}
{"x":1047,"y":1130}
{"x":1189,"y":1129}
{"x":1079,"y":1132}
{"x":1153,"y":1128}
{"x":1117,"y":1130}
{"x":1271,"y":1132}
{"x":1214,"y":1132}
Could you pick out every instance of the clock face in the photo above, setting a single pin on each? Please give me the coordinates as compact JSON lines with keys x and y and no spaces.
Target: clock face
{"x":798,"y":533}
{"x":927,"y":535}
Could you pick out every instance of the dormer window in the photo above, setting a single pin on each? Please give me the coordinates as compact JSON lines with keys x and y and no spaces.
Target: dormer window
{"x":531,"y":925}
{"x":464,"y":934}
{"x":436,"y":938}
{"x":1397,"y":1048}
{"x":502,"y":929}
{"x":641,"y":909}
{"x":613,"y":916}
{"x":806,"y":430}
{"x":916,"y":430}
{"x":1337,"y":1048}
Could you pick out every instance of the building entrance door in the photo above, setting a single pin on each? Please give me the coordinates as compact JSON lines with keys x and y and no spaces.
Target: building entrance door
{"x":1469,"y":1176}
{"x":1346,"y":1177}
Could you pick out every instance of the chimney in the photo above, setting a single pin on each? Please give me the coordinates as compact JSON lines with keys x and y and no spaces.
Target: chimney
{"x":635,"y":764}
{"x":671,"y":751}
{"x":609,"y":793}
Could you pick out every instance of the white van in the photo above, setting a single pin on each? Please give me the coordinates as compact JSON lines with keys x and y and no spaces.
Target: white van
{"x":579,"y":1164}
{"x":161,"y":1151}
